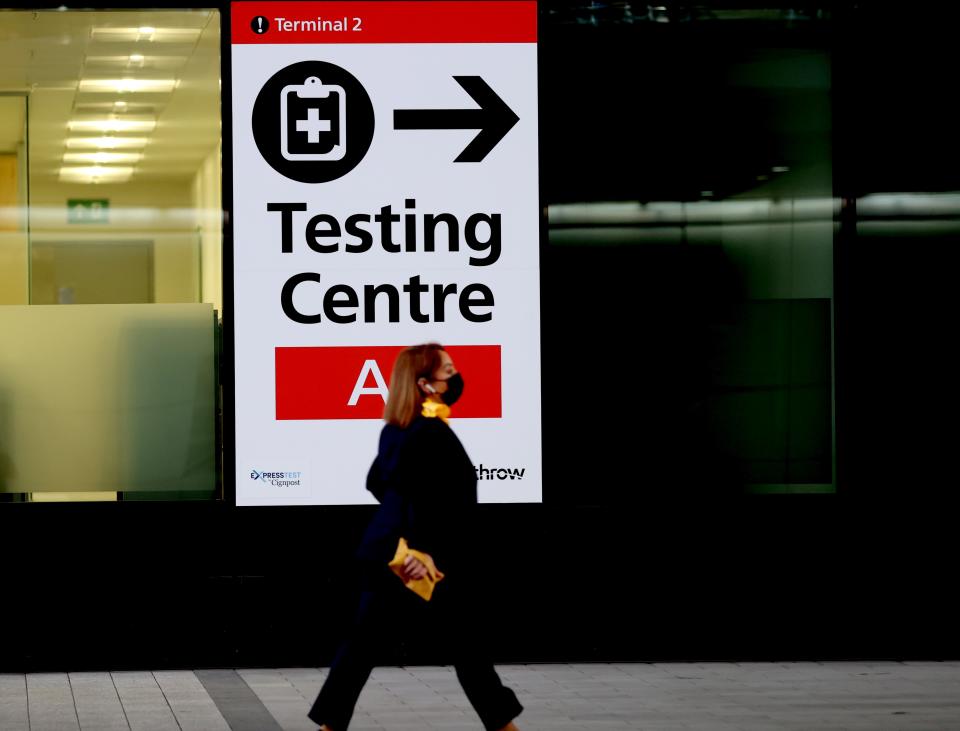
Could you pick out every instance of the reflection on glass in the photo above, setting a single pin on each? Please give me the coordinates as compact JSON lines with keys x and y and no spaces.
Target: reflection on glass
{"x":726,"y":298}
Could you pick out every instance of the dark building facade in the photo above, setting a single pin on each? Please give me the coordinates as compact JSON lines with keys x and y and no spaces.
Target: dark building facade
{"x":750,"y":226}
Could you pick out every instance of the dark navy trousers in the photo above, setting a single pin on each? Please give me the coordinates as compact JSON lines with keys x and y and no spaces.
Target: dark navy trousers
{"x":389,"y":611}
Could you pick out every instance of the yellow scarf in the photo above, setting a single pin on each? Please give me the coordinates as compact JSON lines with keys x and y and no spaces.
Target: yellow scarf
{"x":434,"y":409}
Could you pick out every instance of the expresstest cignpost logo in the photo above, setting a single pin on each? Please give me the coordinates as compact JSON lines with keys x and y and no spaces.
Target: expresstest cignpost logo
{"x":277,"y":479}
{"x":313,"y":122}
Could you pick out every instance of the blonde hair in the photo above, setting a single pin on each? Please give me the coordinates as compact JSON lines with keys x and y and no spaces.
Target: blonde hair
{"x":405,"y":399}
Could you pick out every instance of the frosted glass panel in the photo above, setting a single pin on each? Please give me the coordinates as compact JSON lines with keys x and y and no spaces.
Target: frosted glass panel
{"x":107,"y":397}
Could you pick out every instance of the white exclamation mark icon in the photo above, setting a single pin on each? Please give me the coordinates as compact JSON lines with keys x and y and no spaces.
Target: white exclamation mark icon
{"x":260,"y":24}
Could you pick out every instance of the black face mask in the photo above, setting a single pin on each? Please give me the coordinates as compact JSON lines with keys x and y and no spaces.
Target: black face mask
{"x":454,"y":389}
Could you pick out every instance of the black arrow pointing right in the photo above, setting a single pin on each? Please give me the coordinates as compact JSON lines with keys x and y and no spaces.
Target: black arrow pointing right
{"x":493,"y":118}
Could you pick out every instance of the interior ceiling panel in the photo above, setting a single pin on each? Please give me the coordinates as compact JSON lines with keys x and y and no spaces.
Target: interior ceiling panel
{"x":47,"y":53}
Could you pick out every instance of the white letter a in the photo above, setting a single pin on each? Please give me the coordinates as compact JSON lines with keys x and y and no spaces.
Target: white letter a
{"x":369,"y":366}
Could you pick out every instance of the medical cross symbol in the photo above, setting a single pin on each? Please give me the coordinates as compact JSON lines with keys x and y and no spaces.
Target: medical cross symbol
{"x":313,"y":125}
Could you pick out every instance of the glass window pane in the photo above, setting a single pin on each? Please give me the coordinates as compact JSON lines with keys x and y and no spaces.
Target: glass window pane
{"x":693,"y":228}
{"x":110,"y":202}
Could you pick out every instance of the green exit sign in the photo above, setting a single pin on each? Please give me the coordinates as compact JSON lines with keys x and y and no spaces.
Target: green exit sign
{"x":87,"y":210}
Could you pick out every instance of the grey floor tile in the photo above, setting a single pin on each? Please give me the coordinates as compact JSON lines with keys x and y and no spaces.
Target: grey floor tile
{"x":13,"y":703}
{"x":192,"y":707}
{"x":238,"y":703}
{"x":281,"y":697}
{"x":143,"y":702}
{"x":50,"y":703}
{"x":97,"y":703}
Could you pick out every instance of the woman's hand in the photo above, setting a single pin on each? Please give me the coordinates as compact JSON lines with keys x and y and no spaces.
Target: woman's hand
{"x":414,"y":568}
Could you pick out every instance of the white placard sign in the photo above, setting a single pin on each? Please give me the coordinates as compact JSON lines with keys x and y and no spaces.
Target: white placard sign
{"x":385,"y":193}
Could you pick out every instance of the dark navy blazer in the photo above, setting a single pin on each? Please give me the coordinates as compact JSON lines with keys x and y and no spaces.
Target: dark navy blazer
{"x":427,"y":489}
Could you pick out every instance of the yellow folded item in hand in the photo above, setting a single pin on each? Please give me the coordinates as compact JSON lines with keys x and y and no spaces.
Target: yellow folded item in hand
{"x":422,"y":587}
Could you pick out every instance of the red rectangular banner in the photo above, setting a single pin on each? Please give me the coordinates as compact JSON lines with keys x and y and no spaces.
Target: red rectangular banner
{"x":413,"y":21}
{"x":349,"y":382}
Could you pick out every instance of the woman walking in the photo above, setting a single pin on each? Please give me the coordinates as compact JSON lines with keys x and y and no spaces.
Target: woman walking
{"x":427,"y":489}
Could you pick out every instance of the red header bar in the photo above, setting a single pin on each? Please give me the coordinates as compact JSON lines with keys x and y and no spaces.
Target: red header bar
{"x":390,"y":21}
{"x":321,"y":382}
